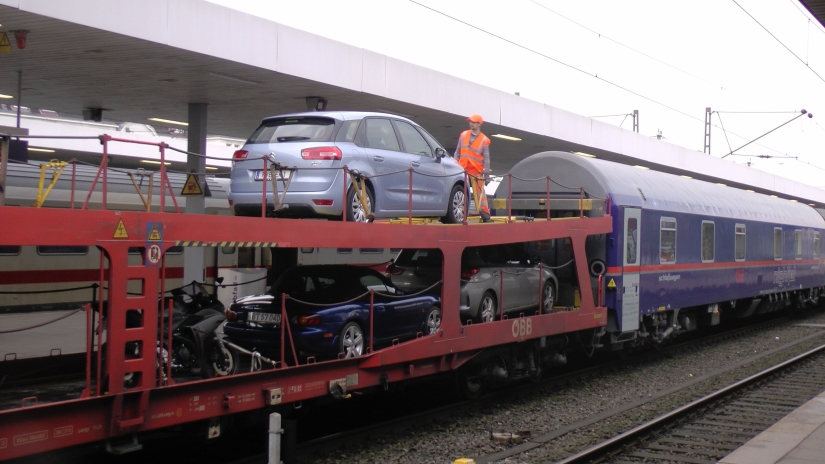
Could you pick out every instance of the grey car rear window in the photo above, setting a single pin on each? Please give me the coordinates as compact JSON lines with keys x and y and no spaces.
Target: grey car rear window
{"x":303,"y":129}
{"x":419,"y":258}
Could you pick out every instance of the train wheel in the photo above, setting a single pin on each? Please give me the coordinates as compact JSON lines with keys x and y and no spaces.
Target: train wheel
{"x":548,"y":296}
{"x":433,"y":320}
{"x":455,"y":206}
{"x":351,"y":341}
{"x":469,"y":386}
{"x":355,"y":212}
{"x":222,"y":360}
{"x":487,"y":308}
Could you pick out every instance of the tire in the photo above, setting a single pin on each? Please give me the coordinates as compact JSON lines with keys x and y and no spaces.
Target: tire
{"x":185,"y":354}
{"x":355,"y":213}
{"x":455,"y":206}
{"x":221,"y":360}
{"x":351,"y":340}
{"x":548,"y":297}
{"x":433,"y":322}
{"x":469,"y":386}
{"x":488,"y":308}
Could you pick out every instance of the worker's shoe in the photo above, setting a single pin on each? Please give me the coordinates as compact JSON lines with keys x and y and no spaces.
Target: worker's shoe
{"x":485,"y":217}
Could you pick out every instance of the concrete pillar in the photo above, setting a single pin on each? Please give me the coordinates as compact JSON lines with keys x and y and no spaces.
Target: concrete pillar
{"x":274,"y":438}
{"x":193,"y":257}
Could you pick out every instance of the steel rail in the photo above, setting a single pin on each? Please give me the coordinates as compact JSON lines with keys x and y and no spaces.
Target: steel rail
{"x":330,"y":441}
{"x":603,"y":449}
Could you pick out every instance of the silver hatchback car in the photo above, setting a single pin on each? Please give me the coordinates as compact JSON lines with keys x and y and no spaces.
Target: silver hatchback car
{"x":485,"y":272}
{"x":315,"y":146}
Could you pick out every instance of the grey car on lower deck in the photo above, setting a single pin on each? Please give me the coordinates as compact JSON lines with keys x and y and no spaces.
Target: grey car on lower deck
{"x":485,"y":272}
{"x":316,"y":146}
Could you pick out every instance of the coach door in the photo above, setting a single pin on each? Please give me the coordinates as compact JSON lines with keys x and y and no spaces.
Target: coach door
{"x":630,"y":269}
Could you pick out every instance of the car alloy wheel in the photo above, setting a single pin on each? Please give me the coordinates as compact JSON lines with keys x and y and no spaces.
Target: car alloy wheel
{"x":455,"y":206}
{"x":352,"y":340}
{"x":356,"y":212}
{"x":548,"y":297}
{"x":487,"y":308}
{"x":433,"y":320}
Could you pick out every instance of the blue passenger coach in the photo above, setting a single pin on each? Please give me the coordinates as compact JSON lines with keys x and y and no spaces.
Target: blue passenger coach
{"x":682,"y":251}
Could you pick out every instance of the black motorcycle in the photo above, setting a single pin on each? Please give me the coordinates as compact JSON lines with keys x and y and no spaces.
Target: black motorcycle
{"x":195,"y":315}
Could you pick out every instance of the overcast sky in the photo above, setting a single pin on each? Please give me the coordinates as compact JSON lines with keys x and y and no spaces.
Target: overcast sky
{"x":667,"y":59}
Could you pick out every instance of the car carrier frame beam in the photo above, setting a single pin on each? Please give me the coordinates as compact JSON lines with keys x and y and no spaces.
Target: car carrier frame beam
{"x":118,"y":410}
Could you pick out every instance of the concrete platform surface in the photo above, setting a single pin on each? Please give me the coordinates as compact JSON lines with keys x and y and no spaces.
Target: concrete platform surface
{"x":799,"y":438}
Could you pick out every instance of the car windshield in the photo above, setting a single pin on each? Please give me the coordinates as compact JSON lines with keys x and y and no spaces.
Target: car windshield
{"x":322,"y":284}
{"x":419,"y":258}
{"x":301,"y":129}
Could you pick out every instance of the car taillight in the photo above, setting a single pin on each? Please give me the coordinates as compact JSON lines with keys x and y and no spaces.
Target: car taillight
{"x":468,"y":274}
{"x":240,"y":154}
{"x":392,"y":269}
{"x":230,"y":315}
{"x":308,"y":320}
{"x":322,"y":202}
{"x":321,"y":153}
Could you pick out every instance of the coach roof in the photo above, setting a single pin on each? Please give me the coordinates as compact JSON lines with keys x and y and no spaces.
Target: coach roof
{"x":647,"y":189}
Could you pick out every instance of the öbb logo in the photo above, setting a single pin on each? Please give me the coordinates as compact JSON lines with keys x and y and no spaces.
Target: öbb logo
{"x":522,"y":327}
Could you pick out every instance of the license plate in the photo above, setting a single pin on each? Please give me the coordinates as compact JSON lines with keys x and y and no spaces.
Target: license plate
{"x":264,"y":318}
{"x":280,"y":175}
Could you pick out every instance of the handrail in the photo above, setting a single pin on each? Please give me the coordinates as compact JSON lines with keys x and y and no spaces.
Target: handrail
{"x":166,"y":185}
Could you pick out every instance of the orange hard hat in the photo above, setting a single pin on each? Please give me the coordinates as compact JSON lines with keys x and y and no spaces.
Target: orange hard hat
{"x":476,"y":118}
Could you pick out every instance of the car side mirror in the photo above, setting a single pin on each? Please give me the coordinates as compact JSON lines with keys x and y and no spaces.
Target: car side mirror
{"x":440,"y":153}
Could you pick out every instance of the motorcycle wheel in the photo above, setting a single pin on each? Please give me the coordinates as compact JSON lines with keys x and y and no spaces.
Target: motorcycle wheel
{"x":184,"y":354}
{"x":221,"y":360}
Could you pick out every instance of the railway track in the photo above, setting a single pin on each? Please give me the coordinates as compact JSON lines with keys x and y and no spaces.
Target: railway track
{"x":334,"y":441}
{"x":709,"y":428}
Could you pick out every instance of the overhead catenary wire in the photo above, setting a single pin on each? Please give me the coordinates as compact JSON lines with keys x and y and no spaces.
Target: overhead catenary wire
{"x":593,"y":75}
{"x":602,"y":36}
{"x":780,"y":42}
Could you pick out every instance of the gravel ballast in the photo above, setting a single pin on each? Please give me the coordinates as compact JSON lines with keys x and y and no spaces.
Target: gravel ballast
{"x":641,"y":384}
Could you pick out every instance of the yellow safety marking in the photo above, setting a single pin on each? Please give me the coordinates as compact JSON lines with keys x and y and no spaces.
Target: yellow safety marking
{"x":192,"y":187}
{"x":154,"y":235}
{"x":5,"y":45}
{"x":196,"y":243}
{"x":661,"y":308}
{"x":464,"y":461}
{"x":57,"y":170}
{"x":120,"y":230}
{"x":611,"y":284}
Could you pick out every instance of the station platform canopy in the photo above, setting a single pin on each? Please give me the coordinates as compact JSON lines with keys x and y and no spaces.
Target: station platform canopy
{"x":140,"y":59}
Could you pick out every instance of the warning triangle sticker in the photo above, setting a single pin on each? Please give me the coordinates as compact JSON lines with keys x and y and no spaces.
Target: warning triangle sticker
{"x":154,"y":235}
{"x":611,"y":284}
{"x":5,"y":45}
{"x":192,"y":187}
{"x":120,"y":230}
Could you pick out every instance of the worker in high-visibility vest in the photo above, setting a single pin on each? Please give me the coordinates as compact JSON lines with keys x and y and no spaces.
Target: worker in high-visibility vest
{"x":473,"y":154}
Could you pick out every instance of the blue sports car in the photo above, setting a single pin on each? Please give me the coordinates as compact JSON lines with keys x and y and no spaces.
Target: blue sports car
{"x":328,"y":308}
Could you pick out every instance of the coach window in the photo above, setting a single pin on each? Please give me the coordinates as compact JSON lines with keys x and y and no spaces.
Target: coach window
{"x":632,"y":234}
{"x":739,"y":243}
{"x":62,"y":250}
{"x":816,"y":244}
{"x":667,"y":240}
{"x":307,"y":250}
{"x":777,"y":243}
{"x":10,"y":250}
{"x":228,"y":250}
{"x":708,"y":241}
{"x":797,"y":244}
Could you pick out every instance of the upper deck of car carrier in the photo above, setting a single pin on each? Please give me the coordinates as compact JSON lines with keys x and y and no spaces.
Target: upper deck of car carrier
{"x":108,"y":407}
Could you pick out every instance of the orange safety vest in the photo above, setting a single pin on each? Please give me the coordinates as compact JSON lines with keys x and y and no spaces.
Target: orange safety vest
{"x":470,"y":156}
